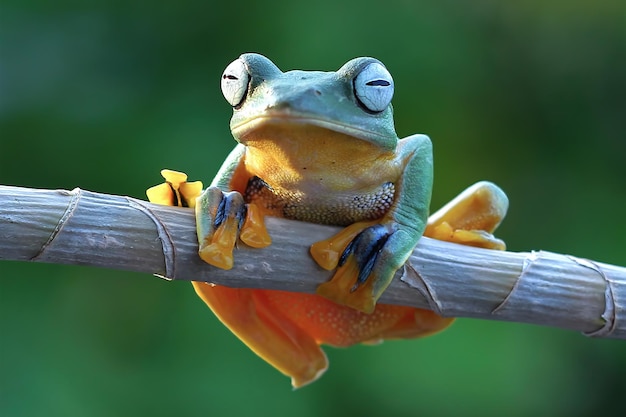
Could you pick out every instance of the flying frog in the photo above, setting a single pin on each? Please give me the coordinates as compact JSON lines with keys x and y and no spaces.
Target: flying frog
{"x":321,"y":147}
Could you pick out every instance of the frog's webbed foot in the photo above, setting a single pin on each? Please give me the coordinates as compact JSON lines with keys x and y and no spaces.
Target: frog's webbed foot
{"x":222,"y":218}
{"x":367,"y":255}
{"x":471,"y":218}
{"x":175,"y":191}
{"x":266,"y":330}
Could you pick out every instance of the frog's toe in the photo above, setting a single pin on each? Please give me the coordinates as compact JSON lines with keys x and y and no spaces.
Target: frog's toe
{"x":338,"y":288}
{"x":218,"y":251}
{"x":189,"y":192}
{"x":219,"y":217}
{"x":478,"y":238}
{"x":366,"y":267}
{"x":328,"y":252}
{"x":471,"y":217}
{"x":161,"y":194}
{"x":175,"y":191}
{"x":253,"y":231}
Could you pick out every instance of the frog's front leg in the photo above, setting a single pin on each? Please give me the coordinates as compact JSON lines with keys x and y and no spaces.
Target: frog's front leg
{"x":221,"y":219}
{"x":368,"y":254}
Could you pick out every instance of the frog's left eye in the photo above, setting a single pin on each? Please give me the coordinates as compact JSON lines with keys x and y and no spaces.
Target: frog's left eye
{"x":234,"y":82}
{"x":373,"y":87}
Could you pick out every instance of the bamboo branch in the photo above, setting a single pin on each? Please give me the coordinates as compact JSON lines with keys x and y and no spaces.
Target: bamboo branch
{"x":85,"y":228}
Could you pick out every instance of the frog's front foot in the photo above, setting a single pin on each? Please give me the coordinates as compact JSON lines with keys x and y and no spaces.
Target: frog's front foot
{"x":221,"y":219}
{"x":367,"y":255}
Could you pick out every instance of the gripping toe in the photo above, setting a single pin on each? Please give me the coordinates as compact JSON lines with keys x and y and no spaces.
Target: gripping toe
{"x":221,"y":219}
{"x":363,"y":271}
{"x":327,"y":252}
{"x":253,"y":231}
{"x":471,"y":217}
{"x":175,"y":191}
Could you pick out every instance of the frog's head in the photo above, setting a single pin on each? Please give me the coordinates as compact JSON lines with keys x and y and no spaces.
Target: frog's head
{"x":354,"y":101}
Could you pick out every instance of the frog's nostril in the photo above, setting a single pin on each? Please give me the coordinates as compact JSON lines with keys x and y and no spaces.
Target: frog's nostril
{"x":318,"y":93}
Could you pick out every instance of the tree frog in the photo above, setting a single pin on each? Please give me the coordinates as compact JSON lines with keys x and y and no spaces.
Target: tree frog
{"x":321,"y":147}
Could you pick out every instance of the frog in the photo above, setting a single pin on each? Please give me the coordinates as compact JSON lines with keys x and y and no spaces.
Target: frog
{"x":321,"y":147}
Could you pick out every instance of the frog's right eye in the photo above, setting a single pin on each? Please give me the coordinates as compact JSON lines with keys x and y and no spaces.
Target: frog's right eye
{"x":373,"y":87}
{"x":235,"y":80}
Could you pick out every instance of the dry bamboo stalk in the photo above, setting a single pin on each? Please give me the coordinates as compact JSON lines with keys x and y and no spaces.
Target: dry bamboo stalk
{"x":86,"y":228}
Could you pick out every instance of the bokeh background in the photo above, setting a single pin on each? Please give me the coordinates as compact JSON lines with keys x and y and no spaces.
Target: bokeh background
{"x":103,"y":94}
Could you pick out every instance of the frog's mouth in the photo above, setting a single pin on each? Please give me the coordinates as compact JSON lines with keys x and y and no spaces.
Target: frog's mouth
{"x":295,"y":125}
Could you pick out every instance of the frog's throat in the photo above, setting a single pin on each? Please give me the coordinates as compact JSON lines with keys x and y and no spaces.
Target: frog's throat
{"x":242,"y":129}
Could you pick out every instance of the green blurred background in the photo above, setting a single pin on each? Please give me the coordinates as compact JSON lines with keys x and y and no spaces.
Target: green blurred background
{"x":103,"y":94}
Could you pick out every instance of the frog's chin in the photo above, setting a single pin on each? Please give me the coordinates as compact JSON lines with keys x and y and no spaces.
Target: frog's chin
{"x":296,"y":125}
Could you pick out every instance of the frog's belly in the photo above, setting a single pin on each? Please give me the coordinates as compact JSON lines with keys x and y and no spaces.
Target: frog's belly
{"x":336,"y":208}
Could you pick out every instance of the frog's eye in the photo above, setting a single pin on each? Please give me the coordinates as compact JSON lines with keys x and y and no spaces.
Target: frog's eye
{"x":373,"y":87}
{"x":234,"y":82}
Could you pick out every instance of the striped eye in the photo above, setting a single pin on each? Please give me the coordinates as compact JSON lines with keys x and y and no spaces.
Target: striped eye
{"x":373,"y":87}
{"x":234,"y":82}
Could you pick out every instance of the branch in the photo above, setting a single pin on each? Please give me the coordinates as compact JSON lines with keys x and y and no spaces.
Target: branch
{"x":85,"y":228}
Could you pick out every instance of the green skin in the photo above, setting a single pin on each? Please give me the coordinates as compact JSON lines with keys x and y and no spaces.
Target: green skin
{"x":295,"y":102}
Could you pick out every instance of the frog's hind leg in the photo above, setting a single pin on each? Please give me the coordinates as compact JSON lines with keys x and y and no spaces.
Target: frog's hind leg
{"x":471,"y":217}
{"x":267,"y":332}
{"x":175,"y":191}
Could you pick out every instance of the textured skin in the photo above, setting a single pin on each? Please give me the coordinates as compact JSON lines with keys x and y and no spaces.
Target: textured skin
{"x":342,"y":210}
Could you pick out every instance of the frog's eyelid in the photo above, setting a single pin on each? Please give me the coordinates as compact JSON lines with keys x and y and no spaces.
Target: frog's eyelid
{"x":234,"y":82}
{"x":373,"y":87}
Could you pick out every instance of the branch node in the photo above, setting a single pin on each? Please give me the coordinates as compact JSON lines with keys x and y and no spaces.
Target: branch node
{"x":169,"y":249}
{"x":413,"y":279}
{"x":75,"y":196}
{"x":526,"y":264}
{"x":609,"y":315}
